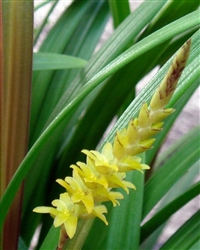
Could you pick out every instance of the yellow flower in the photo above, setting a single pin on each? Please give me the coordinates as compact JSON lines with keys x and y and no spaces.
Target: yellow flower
{"x":131,"y":163}
{"x":102,"y":194}
{"x":90,"y":175}
{"x":104,"y":162}
{"x":123,"y":147}
{"x":78,"y":190}
{"x":98,"y":211}
{"x":116,"y":181}
{"x":65,"y":213}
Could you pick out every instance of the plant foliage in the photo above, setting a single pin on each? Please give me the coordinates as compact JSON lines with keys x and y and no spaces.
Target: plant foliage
{"x":76,"y":93}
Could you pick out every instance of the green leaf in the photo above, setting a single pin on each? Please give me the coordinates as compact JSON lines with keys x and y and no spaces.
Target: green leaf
{"x":171,"y":11}
{"x":51,"y":240}
{"x":112,"y":48}
{"x":46,"y":61}
{"x":55,"y":42}
{"x":181,"y":186}
{"x":88,"y":31}
{"x":120,"y":10}
{"x":21,"y":244}
{"x":163,"y":215}
{"x":195,"y":246}
{"x":186,"y":236}
{"x":38,"y":6}
{"x":172,"y":170}
{"x":41,"y":27}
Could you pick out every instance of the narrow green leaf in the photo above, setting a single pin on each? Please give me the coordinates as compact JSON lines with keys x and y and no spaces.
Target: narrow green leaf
{"x":55,"y":42}
{"x":181,"y":186}
{"x":162,"y":216}
{"x":46,"y":61}
{"x":21,"y":244}
{"x":186,"y":236}
{"x":120,"y":10}
{"x":171,"y":11}
{"x":172,"y":170}
{"x":51,"y":240}
{"x":195,"y":246}
{"x":38,"y":6}
{"x":117,"y":43}
{"x":88,"y":31}
{"x":40,"y":29}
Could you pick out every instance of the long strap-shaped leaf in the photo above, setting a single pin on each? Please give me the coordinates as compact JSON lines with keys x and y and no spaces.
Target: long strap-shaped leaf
{"x":55,"y":42}
{"x":141,"y":47}
{"x":172,"y":170}
{"x":150,"y":226}
{"x":120,"y":10}
{"x":186,"y":236}
{"x":115,"y":45}
{"x":87,"y":31}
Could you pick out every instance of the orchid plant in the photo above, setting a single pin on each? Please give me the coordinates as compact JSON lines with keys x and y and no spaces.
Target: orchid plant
{"x":60,"y":100}
{"x":94,"y":181}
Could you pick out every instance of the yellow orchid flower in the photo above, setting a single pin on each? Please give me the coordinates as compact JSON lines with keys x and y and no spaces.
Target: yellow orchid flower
{"x":102,"y":194}
{"x":131,"y":163}
{"x":98,"y":211}
{"x":104,"y":162}
{"x":89,"y":174}
{"x":65,"y":213}
{"x":78,"y":190}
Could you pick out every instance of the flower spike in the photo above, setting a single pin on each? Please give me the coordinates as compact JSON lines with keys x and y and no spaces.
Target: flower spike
{"x":94,"y":182}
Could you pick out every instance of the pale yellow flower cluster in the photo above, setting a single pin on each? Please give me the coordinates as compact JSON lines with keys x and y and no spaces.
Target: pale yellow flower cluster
{"x":93,"y":182}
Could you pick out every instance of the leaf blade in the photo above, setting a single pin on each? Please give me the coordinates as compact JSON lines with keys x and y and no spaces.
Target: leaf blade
{"x":186,"y":236}
{"x":168,"y":210}
{"x":47,"y":61}
{"x":170,"y":174}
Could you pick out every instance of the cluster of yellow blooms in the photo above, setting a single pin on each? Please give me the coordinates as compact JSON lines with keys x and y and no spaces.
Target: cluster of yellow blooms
{"x":93,"y":182}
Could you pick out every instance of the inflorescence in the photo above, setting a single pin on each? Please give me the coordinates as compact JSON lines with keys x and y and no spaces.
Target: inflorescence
{"x":94,"y":181}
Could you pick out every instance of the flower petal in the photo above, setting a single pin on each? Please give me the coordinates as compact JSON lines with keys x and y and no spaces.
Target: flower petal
{"x":70,"y":226}
{"x":46,"y":210}
{"x":129,"y":184}
{"x":65,"y":185}
{"x":68,"y":202}
{"x":98,"y":211}
{"x":88,"y":201}
{"x":59,"y":204}
{"x":60,"y":219}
